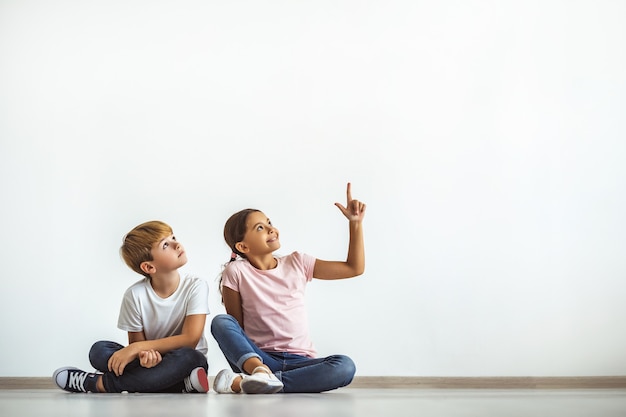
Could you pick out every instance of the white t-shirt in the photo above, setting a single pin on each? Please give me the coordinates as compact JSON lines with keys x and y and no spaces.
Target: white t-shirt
{"x":273,"y":303}
{"x":143,"y":310}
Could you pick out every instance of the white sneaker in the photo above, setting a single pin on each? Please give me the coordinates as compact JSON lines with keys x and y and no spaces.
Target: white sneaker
{"x":197,"y":381}
{"x":262,"y":381}
{"x":223,"y":382}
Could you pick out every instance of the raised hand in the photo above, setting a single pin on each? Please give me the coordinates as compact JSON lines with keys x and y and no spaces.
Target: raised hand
{"x":354,"y":209}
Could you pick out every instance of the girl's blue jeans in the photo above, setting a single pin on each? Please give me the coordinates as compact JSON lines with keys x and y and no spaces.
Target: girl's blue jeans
{"x":297,"y":373}
{"x":167,"y":376}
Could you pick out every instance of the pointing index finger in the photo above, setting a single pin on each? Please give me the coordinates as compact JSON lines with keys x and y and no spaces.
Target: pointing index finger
{"x":349,"y":193}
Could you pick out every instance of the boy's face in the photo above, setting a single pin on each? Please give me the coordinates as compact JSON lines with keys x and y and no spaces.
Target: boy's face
{"x":168,"y":254}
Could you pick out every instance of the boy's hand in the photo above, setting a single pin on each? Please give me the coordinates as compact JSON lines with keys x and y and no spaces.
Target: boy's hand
{"x":354,"y":210}
{"x":121,"y":358}
{"x":149,"y":358}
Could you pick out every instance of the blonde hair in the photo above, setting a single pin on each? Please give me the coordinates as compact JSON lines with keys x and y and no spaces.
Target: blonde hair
{"x":137,"y":244}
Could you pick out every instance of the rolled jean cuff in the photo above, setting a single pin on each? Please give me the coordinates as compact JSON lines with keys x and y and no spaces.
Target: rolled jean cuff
{"x":245,"y":357}
{"x":279,"y":375}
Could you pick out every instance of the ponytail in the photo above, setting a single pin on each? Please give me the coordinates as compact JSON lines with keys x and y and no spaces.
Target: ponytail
{"x":233,"y":257}
{"x":234,"y":231}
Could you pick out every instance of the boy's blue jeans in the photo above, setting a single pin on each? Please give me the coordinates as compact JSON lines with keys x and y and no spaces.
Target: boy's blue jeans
{"x":167,"y":376}
{"x":298,"y":373}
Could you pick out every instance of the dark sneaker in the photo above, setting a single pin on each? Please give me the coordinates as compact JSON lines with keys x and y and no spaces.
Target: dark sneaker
{"x":197,"y":381}
{"x":75,"y":380}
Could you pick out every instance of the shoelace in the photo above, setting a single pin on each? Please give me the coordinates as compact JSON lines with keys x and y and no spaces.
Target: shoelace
{"x":189,"y":386}
{"x":77,"y":380}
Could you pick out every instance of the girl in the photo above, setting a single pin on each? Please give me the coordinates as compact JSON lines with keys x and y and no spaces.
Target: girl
{"x":265,"y":336}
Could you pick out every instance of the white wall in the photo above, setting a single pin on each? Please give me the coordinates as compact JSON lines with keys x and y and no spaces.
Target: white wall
{"x":486,"y":137}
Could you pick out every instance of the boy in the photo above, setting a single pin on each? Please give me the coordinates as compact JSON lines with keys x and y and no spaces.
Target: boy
{"x":164,"y":315}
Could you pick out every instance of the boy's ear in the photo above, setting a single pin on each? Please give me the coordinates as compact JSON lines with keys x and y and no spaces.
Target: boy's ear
{"x":241,"y":247}
{"x":147,"y":267}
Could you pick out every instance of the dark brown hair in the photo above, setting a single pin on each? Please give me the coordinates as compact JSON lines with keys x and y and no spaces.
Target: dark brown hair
{"x":234,"y":232}
{"x":235,"y":229}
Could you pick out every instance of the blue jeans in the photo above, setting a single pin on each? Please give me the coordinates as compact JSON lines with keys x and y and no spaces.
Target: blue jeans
{"x":298,"y":373}
{"x":167,"y":376}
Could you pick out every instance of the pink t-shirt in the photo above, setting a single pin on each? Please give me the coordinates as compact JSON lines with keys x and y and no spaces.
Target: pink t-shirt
{"x":274,"y":311}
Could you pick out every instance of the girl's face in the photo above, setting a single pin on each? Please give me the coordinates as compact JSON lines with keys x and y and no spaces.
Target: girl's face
{"x":261,"y":237}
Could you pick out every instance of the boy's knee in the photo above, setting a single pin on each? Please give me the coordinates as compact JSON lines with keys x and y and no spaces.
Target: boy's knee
{"x":100,"y":352}
{"x":200,"y":359}
{"x":189,"y":357}
{"x":100,"y":344}
{"x":99,"y":348}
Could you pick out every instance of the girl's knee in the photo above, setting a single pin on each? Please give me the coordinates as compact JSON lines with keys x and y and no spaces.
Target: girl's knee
{"x":222,"y":322}
{"x":349,"y":366}
{"x":345,"y":368}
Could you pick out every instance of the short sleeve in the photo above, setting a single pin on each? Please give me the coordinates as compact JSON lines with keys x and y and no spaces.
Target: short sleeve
{"x":230,"y":276}
{"x":198,"y":302}
{"x":130,"y":319}
{"x":307,"y":263}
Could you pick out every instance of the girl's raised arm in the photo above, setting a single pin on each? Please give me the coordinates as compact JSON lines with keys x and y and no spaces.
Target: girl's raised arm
{"x":355,"y":262}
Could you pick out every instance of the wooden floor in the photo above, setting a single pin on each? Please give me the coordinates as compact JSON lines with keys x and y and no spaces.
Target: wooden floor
{"x":398,"y":382}
{"x":346,"y":402}
{"x":365,"y":397}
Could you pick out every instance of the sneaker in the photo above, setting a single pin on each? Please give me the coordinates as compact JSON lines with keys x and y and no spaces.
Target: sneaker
{"x":262,"y":381}
{"x":197,"y":381}
{"x":74,"y":380}
{"x":223,"y":382}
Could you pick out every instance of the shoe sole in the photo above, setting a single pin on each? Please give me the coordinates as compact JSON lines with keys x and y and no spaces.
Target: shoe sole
{"x":58,"y":371}
{"x":218,"y":377}
{"x":200,"y":378}
{"x":253,"y":386}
